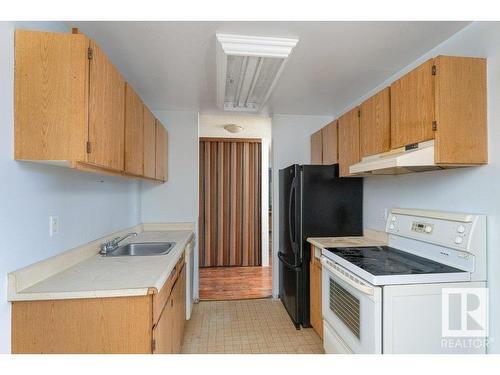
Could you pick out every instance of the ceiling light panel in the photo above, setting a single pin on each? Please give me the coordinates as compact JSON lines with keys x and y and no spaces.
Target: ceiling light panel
{"x":248,"y":69}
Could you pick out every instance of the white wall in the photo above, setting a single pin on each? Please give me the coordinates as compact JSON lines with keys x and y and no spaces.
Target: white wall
{"x":88,"y":206}
{"x":475,"y":190}
{"x":290,"y":145}
{"x":253,"y":127}
{"x":177,"y":199}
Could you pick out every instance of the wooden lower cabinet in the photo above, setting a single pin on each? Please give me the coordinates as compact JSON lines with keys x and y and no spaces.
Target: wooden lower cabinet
{"x":115,"y":325}
{"x":168,"y":333}
{"x":315,"y":291}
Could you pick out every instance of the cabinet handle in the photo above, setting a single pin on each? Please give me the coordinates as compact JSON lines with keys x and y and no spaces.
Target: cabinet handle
{"x":171,"y":302}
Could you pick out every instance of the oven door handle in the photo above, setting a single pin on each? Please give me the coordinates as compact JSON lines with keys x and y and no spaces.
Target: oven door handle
{"x":355,"y":284}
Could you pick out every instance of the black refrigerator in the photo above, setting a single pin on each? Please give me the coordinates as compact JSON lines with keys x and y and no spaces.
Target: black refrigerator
{"x":313,"y":202}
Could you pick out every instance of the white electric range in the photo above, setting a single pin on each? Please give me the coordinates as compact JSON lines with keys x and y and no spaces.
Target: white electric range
{"x":389,"y":299}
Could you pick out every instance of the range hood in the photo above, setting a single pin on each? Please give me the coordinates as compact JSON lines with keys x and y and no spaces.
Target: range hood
{"x":418,"y":157}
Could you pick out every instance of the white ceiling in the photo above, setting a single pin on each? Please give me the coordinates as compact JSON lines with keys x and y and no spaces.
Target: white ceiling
{"x":172,"y":64}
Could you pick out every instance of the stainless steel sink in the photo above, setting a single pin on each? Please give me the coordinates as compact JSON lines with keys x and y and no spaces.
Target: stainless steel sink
{"x":142,"y":249}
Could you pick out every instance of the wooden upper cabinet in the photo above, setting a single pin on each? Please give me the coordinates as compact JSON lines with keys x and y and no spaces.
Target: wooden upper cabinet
{"x":329,"y":137}
{"x":412,"y":107}
{"x":348,"y":125}
{"x":50,"y":96}
{"x":149,"y":144}
{"x":316,"y":148}
{"x":70,"y":108}
{"x":134,"y":133}
{"x":375,"y":124}
{"x":460,"y":112}
{"x":161,"y":152}
{"x":443,"y":99}
{"x":106,"y":112}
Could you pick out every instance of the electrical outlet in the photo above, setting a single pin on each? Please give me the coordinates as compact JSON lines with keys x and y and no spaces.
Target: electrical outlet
{"x":53,"y":225}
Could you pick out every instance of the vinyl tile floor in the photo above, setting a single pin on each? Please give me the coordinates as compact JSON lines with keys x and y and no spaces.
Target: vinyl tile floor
{"x":260,"y":326}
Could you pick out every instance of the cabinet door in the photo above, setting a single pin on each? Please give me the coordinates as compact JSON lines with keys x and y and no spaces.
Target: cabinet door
{"x":50,"y":95}
{"x":149,"y":144}
{"x":375,"y":124}
{"x":106,"y":112}
{"x":161,"y":152}
{"x":163,"y":332}
{"x":461,"y":98}
{"x":316,"y":148}
{"x":412,"y":107}
{"x":181,"y":307}
{"x":134,"y":132}
{"x":330,"y":143}
{"x":348,"y":141}
{"x":315,"y":293}
{"x":179,"y":311}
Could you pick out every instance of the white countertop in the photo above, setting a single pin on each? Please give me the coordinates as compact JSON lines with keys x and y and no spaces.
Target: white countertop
{"x":370,"y":238}
{"x":99,"y":276}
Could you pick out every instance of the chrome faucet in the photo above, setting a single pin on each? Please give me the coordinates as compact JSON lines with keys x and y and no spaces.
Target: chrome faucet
{"x":107,"y":247}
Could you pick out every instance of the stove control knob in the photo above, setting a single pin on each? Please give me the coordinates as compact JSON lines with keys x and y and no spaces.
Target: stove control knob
{"x":393,"y":218}
{"x":428,"y":229}
{"x":458,"y":240}
{"x":461,"y":228}
{"x":391,"y":227}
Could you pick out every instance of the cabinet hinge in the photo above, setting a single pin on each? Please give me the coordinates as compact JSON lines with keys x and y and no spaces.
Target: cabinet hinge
{"x":89,"y":148}
{"x":153,"y":345}
{"x":359,"y":113}
{"x":90,"y":53}
{"x":434,"y":70}
{"x":434,"y":126}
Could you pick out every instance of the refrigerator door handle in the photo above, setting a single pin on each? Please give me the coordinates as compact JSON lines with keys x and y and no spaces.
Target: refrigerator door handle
{"x":291,"y":215}
{"x":289,"y":265}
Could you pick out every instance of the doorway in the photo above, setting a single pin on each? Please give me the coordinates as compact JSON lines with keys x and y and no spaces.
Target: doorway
{"x":230,"y":220}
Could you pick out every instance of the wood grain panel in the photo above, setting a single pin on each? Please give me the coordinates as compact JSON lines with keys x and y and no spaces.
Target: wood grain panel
{"x":315,"y":293}
{"x":161,"y":169}
{"x":149,"y":144}
{"x":50,"y":96}
{"x":412,"y":107}
{"x":461,"y":98}
{"x":163,"y":331}
{"x":329,"y":140}
{"x":106,"y":112}
{"x":134,"y":132}
{"x":96,"y":325}
{"x":179,"y":305}
{"x":160,"y":298}
{"x":230,"y":203}
{"x":348,"y":126}
{"x":316,"y":148}
{"x":375,"y":124}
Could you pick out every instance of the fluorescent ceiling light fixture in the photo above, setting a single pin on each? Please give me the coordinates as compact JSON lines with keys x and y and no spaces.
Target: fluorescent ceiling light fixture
{"x":248,"y":68}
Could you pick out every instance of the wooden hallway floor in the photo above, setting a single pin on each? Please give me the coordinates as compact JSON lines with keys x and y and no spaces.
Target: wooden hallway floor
{"x":234,"y":283}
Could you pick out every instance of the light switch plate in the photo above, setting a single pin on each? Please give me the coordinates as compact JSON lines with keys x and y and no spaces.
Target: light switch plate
{"x":53,"y":225}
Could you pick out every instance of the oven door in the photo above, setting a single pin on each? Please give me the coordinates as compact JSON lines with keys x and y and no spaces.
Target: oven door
{"x":352,"y":309}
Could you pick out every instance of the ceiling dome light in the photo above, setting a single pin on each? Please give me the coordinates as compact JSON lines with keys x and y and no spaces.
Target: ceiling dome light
{"x":248,"y":68}
{"x":233,"y":128}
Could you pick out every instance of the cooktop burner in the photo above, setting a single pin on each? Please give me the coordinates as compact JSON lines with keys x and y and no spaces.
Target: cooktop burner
{"x":385,"y":260}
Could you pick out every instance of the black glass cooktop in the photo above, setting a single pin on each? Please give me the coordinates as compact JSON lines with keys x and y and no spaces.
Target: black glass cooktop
{"x":385,"y":260}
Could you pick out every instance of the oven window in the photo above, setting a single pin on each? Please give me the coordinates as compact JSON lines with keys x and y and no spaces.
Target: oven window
{"x":345,"y":306}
